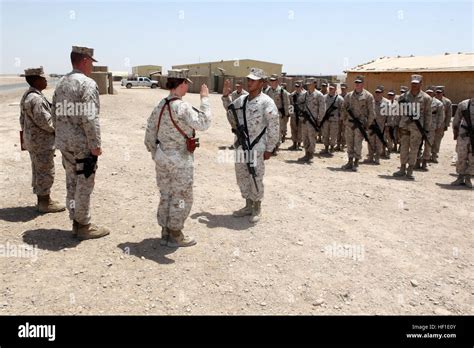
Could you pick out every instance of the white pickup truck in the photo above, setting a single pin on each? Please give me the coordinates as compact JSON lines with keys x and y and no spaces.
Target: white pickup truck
{"x":139,"y":82}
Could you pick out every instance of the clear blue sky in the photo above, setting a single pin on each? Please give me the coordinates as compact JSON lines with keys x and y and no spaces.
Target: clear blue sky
{"x":307,"y":37}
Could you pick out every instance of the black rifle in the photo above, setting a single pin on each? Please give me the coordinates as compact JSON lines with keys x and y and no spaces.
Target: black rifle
{"x":470,"y":130}
{"x":412,"y":118}
{"x":308,"y":116}
{"x":243,"y":139}
{"x":89,"y":165}
{"x":374,"y":127}
{"x":328,"y":113}
{"x":360,"y":126}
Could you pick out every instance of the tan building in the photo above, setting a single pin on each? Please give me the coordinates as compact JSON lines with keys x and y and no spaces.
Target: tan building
{"x":146,"y":70}
{"x":455,"y":71}
{"x":237,"y":68}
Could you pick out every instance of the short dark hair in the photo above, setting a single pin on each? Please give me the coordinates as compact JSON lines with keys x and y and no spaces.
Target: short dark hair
{"x":77,"y":57}
{"x":31,"y":80}
{"x":173,"y":82}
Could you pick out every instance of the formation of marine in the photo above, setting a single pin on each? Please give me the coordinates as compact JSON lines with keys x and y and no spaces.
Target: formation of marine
{"x":412,"y":123}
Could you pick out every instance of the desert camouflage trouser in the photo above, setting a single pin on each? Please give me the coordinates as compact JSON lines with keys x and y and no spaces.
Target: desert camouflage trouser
{"x":296,"y":130}
{"x":354,"y":139}
{"x":465,"y":162}
{"x":329,"y":132}
{"x":409,"y":144}
{"x":175,"y":183}
{"x":245,"y":180}
{"x":42,"y":172}
{"x":79,"y":188}
{"x":309,"y":137}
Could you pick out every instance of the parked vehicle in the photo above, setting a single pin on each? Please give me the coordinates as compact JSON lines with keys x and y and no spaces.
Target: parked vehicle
{"x":139,"y":81}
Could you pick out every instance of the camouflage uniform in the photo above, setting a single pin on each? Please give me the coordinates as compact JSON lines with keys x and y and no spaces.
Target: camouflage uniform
{"x":260,"y":118}
{"x":411,"y":137}
{"x":465,"y":160}
{"x":437,"y":121}
{"x":77,"y":133}
{"x":38,"y":136}
{"x":362,"y":106}
{"x":341,"y":140}
{"x":281,"y":97}
{"x":439,"y":132}
{"x":174,"y":164}
{"x":315,"y":104}
{"x":376,"y":146}
{"x":296,"y":121}
{"x":391,"y":125}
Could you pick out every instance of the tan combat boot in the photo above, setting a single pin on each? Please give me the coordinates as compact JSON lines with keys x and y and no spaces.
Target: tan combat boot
{"x":164,"y":236}
{"x":256,"y":211}
{"x":458,"y":181}
{"x":247,"y":210}
{"x":177,"y":239}
{"x":410,"y":173}
{"x":91,"y":231}
{"x":47,"y":205}
{"x":467,"y":181}
{"x":349,"y":164}
{"x":401,"y":172}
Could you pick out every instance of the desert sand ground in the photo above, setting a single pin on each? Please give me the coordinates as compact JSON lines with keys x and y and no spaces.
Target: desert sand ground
{"x":330,"y":242}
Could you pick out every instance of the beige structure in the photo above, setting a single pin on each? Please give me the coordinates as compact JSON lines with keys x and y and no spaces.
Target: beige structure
{"x":455,"y":71}
{"x":146,"y":70}
{"x":231,"y":68}
{"x":103,"y":78}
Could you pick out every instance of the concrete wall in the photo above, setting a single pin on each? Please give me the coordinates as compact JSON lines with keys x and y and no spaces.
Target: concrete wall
{"x":459,"y":85}
{"x":101,"y":78}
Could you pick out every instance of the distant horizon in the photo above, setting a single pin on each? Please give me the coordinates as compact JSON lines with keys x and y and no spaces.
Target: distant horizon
{"x":307,"y":37}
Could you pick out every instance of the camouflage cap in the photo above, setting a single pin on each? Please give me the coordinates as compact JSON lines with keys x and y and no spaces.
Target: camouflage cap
{"x":310,"y":80}
{"x":379,"y":89}
{"x":343,"y":85}
{"x":430,"y":89}
{"x":34,"y":72}
{"x":85,"y":51}
{"x":238,"y":83}
{"x":359,"y":79}
{"x":274,"y":77}
{"x":256,"y":74}
{"x":324,"y":84}
{"x":440,"y":89}
{"x":179,"y":74}
{"x":403,"y":89}
{"x":416,"y":78}
{"x":391,"y":92}
{"x":332,"y":85}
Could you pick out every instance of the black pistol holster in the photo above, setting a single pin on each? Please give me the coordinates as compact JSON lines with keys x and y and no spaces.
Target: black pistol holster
{"x":89,"y":165}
